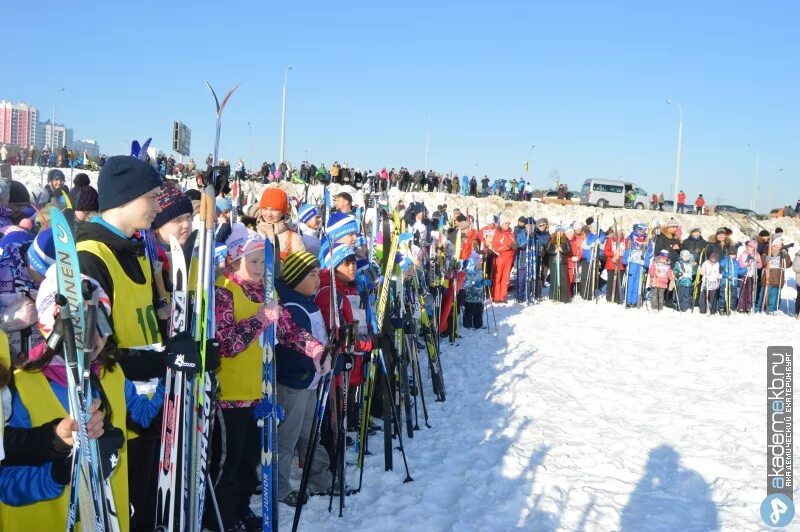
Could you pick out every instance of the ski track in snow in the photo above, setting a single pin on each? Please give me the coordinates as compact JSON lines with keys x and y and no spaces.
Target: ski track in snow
{"x":581,"y":417}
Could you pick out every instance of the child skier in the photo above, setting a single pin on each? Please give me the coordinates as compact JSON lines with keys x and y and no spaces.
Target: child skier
{"x":300,"y":368}
{"x":661,"y":278}
{"x":728,"y":289}
{"x":473,"y":293}
{"x":241,"y":317}
{"x":559,"y":252}
{"x":614,"y":249}
{"x":683,"y":272}
{"x":749,"y":264}
{"x":772,"y":278}
{"x":41,"y":395}
{"x":636,"y":259}
{"x":709,"y":291}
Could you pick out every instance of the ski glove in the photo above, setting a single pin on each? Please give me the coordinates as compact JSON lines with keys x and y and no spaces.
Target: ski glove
{"x":109,"y":445}
{"x":212,"y":354}
{"x":182,"y":354}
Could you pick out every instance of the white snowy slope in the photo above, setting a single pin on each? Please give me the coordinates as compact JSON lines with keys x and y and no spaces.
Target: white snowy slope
{"x":583,"y":417}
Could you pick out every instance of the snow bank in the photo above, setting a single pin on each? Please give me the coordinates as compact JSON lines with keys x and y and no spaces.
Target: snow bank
{"x":583,"y":417}
{"x":493,"y":205}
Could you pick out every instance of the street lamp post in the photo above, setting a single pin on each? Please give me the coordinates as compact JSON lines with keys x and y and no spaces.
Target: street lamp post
{"x":427,"y":142}
{"x":283,"y":113}
{"x":250,"y":129}
{"x":528,"y":162}
{"x":53,"y":124}
{"x":678,"y":158}
{"x":754,"y":201}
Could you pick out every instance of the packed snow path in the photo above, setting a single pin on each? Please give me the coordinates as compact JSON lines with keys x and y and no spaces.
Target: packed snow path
{"x":582,"y":417}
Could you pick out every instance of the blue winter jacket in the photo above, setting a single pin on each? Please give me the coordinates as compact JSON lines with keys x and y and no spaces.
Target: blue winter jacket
{"x":521,"y":237}
{"x":21,"y":485}
{"x":542,"y":239}
{"x":588,"y":246}
{"x":293,"y":368}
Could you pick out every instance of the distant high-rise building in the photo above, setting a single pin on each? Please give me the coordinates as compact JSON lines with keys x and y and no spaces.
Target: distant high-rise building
{"x":18,"y":124}
{"x":91,"y":147}
{"x":60,"y":136}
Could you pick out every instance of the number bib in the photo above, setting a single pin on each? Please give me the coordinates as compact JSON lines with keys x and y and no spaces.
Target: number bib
{"x":132,"y":312}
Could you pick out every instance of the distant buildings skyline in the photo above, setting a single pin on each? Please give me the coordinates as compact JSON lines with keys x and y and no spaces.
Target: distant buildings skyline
{"x":20,"y":126}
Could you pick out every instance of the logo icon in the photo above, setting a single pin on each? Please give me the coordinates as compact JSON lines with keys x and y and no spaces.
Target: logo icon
{"x":777,"y":510}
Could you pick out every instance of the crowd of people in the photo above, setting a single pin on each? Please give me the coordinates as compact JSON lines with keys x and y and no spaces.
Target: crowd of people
{"x":450,"y":261}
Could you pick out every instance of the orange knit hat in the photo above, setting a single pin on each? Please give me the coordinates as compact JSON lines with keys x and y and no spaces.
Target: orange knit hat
{"x":274,"y":198}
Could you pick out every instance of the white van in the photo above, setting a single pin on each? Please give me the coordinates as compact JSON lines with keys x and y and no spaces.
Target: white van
{"x":611,"y":193}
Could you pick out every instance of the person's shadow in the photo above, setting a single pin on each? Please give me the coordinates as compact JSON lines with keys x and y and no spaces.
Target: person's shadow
{"x":669,"y":497}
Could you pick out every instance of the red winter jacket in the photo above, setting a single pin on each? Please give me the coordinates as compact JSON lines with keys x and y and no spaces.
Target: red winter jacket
{"x":609,"y":249}
{"x":348,"y":301}
{"x":504,"y":244}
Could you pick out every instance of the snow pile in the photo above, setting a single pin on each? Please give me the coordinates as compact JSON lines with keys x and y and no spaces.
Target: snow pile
{"x":583,"y":417}
{"x":485,"y":207}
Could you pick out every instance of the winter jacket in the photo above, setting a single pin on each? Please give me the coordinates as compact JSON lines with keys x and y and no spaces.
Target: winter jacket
{"x":663,"y":241}
{"x":684,"y":272}
{"x":521,"y":237}
{"x":745,"y":259}
{"x":295,"y":369}
{"x":729,"y":268}
{"x":559,"y":249}
{"x":796,"y":267}
{"x":349,"y":305}
{"x":660,"y":273}
{"x":721,"y":249}
{"x":504,"y":245}
{"x":774,"y":266}
{"x":138,"y":365}
{"x":576,"y":245}
{"x":542,"y":239}
{"x":694,"y":246}
{"x":141,"y":410}
{"x":612,"y":246}
{"x":711,"y":275}
{"x":588,"y":245}
{"x":487,"y":233}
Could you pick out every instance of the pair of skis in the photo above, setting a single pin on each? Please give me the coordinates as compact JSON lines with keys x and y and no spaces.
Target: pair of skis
{"x":188,"y":401}
{"x":90,"y":494}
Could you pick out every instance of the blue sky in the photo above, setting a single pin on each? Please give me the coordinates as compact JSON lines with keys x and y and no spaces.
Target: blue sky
{"x":585,"y":82}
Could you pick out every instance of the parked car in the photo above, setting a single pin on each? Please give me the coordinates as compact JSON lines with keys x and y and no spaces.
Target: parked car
{"x":727,"y":208}
{"x":612,"y":193}
{"x":551,"y":197}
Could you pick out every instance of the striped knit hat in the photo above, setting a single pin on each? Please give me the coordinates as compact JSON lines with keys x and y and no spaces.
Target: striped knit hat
{"x":42,"y":252}
{"x":337,"y":255}
{"x":296,"y":266}
{"x":307,"y":212}
{"x":340,"y":225}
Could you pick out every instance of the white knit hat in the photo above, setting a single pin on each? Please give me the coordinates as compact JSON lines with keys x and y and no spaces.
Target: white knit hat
{"x":243,"y":241}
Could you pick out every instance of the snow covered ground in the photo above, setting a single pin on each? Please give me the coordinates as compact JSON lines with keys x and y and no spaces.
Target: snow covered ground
{"x":584,"y":417}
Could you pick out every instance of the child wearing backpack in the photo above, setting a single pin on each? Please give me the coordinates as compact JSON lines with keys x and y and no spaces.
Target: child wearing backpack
{"x":683,"y":272}
{"x":709,"y":291}
{"x":661,"y":278}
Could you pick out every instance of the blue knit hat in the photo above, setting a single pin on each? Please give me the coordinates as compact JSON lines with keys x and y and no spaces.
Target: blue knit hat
{"x":337,"y":255}
{"x":14,"y":239}
{"x":123,"y":179}
{"x":42,"y":252}
{"x":340,"y":225}
{"x":307,"y":212}
{"x":224,"y":205}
